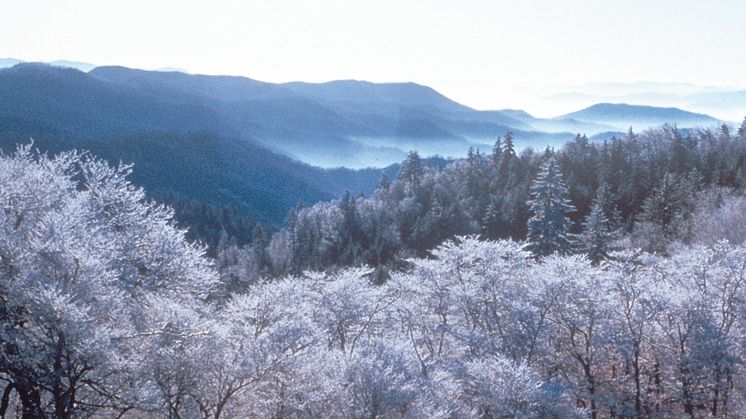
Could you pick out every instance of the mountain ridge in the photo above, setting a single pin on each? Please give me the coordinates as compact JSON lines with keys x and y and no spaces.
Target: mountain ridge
{"x":230,"y":140}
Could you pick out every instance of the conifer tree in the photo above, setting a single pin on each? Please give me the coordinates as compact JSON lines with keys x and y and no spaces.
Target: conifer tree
{"x":595,"y":238}
{"x":497,"y":151}
{"x":666,"y":206}
{"x":384,"y":183}
{"x":549,"y":227}
{"x":411,"y":169}
{"x":506,"y":162}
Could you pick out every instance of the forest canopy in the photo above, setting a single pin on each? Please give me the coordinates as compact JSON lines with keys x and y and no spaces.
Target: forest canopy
{"x":637,"y":191}
{"x":621,"y":294}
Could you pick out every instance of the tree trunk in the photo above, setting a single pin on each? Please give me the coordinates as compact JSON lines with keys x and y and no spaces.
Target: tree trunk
{"x":638,"y":401}
{"x":61,"y":407}
{"x":6,"y":399}
{"x":30,"y":402}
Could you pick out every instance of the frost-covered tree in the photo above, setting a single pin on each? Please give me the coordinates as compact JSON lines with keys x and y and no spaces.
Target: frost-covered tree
{"x":348,"y":307}
{"x":106,"y":310}
{"x":498,"y":388}
{"x":668,"y":205}
{"x":86,"y":265}
{"x":595,"y":239}
{"x":549,"y":226}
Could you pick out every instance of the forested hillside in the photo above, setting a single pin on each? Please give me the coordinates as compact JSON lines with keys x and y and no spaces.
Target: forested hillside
{"x":645,"y":188}
{"x":107,"y":311}
{"x":598,"y":279}
{"x":349,"y":123}
{"x":181,"y":151}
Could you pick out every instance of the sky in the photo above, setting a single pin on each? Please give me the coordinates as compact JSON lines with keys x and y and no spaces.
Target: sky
{"x":485,"y":54}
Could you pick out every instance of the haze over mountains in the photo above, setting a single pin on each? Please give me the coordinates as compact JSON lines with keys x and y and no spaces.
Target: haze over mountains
{"x":725,"y":102}
{"x":346,"y":123}
{"x":237,"y":141}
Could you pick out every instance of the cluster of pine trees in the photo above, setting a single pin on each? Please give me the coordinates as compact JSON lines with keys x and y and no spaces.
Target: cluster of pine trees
{"x":584,"y":198}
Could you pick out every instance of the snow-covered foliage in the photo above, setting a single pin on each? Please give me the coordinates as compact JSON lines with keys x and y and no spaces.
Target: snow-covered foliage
{"x":549,"y":227}
{"x":106,"y":310}
{"x":95,"y":283}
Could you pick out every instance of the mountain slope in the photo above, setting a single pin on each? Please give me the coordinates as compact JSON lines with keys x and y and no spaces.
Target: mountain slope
{"x":87,"y":106}
{"x":357,"y":93}
{"x":324,"y":123}
{"x":179,"y":143}
{"x":214,"y":138}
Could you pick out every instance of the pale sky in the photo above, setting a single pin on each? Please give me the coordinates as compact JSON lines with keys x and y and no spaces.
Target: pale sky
{"x":485,"y":54}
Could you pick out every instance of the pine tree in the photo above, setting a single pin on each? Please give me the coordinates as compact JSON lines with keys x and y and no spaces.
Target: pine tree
{"x":508,"y":154}
{"x":411,"y":169}
{"x":259,"y":242}
{"x":349,"y":231}
{"x":504,"y":162}
{"x":384,"y":183}
{"x":667,"y":206}
{"x":595,"y":239}
{"x":548,"y":228}
{"x":491,"y":221}
{"x":497,"y":152}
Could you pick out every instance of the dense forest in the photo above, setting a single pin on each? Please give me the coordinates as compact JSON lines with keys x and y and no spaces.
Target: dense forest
{"x":645,"y":189}
{"x":595,"y":280}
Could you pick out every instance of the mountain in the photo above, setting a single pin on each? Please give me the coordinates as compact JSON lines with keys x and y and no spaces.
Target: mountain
{"x":344,"y":123}
{"x":179,"y":145}
{"x":210,"y":138}
{"x":78,"y":65}
{"x":724,"y":102}
{"x":8,"y":62}
{"x":410,"y":104}
{"x":238,"y":142}
{"x":206,"y":168}
{"x":84,"y":67}
{"x":622,"y":116}
{"x":729,"y":103}
{"x":603,"y":118}
{"x":362,"y":96}
{"x":83,"y":105}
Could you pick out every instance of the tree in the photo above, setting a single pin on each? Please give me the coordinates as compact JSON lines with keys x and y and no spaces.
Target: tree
{"x":549,"y":227}
{"x":349,"y":232}
{"x":507,"y":160}
{"x":86,"y":264}
{"x":666,"y":209}
{"x":497,"y":151}
{"x":411,"y":170}
{"x":595,"y":238}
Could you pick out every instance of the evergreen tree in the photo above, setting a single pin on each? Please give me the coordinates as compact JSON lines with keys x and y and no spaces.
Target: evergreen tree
{"x":259,"y":242}
{"x":549,"y":227}
{"x":669,"y":205}
{"x":595,"y":239}
{"x":497,"y":152}
{"x":411,"y":169}
{"x":506,"y":161}
{"x":491,"y":221}
{"x":384,"y":183}
{"x":349,"y":231}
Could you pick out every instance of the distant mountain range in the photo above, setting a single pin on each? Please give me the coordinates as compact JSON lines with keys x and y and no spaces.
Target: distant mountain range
{"x":623,"y":116}
{"x":84,"y":67}
{"x":342,"y":123}
{"x":178,"y":147}
{"x":236,"y":141}
{"x":726,"y":102}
